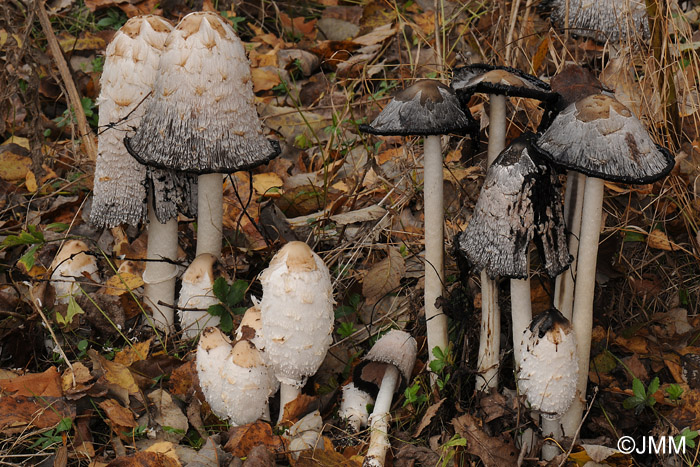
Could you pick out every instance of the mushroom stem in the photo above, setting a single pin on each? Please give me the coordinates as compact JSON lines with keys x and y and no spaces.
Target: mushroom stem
{"x":159,"y":276}
{"x":582,"y":321}
{"x":210,"y":212}
{"x":490,"y":339}
{"x":288,"y":393}
{"x":551,"y":428}
{"x":573,"y":204}
{"x":379,"y":420}
{"x":521,"y":311}
{"x":436,"y":320}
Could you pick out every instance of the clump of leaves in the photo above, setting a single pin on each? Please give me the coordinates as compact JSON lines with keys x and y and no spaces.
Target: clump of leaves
{"x":643,"y":397}
{"x":231,"y":297}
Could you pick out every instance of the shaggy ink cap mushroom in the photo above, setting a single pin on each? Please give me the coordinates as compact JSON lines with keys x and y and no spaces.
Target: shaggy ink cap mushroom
{"x":428,"y":107}
{"x":250,"y":327}
{"x":519,"y":202}
{"x":602,"y":20}
{"x":197,"y":295}
{"x":202,"y":117}
{"x":121,"y":183}
{"x":395,"y":348}
{"x":549,"y":364}
{"x":353,"y":407}
{"x":72,"y":263}
{"x":600,"y":137}
{"x":500,"y":80}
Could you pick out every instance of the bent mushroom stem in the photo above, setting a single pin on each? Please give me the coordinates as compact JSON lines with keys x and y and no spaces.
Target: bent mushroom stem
{"x":159,"y":276}
{"x":210,"y":212}
{"x":379,"y":420}
{"x":521,"y":311}
{"x":582,"y":321}
{"x":436,"y":321}
{"x":573,"y":204}
{"x":490,"y":339}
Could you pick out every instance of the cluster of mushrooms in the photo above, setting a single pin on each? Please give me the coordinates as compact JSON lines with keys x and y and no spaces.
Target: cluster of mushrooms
{"x":178,"y":112}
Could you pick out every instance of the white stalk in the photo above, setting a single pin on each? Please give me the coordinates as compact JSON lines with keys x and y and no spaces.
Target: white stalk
{"x":210,"y":213}
{"x":490,"y":339}
{"x":288,"y":393}
{"x":521,"y":311}
{"x":582,"y":321}
{"x":436,"y":320}
{"x":379,"y":420}
{"x":573,"y":204}
{"x":551,"y":428}
{"x":159,"y":276}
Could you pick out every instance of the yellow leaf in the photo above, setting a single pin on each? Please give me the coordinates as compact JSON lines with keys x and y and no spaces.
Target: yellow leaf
{"x":265,"y":78}
{"x":265,"y":184}
{"x":3,"y":37}
{"x":114,"y":373}
{"x":18,"y":40}
{"x":30,"y":180}
{"x":659,"y":240}
{"x":13,"y":166}
{"x":129,"y":355}
{"x":119,"y":284}
{"x":86,"y":41}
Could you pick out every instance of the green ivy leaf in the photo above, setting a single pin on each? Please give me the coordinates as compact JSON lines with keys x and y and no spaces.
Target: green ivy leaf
{"x":236,"y":292}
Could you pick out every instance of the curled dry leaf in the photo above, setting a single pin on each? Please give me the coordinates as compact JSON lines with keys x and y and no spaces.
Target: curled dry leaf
{"x":244,"y":438}
{"x":119,"y":417}
{"x":46,"y":384}
{"x":492,"y":451}
{"x":384,"y":277}
{"x":658,"y":239}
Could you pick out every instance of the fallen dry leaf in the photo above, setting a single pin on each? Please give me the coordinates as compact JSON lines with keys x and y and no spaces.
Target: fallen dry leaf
{"x":428,"y":417}
{"x":121,"y":283}
{"x":242,"y":439}
{"x":296,"y":409}
{"x":46,"y":384}
{"x":131,"y":354}
{"x":18,"y":412}
{"x":143,"y":459}
{"x":268,"y":184}
{"x":119,"y":417}
{"x":658,"y":239}
{"x":113,"y":373}
{"x":492,"y":451}
{"x":384,"y":277}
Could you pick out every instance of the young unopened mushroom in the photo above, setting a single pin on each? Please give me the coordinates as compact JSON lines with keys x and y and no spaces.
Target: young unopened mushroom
{"x":196,"y":296}
{"x":498,"y":82}
{"x":234,"y":380}
{"x":126,"y":191}
{"x":390,"y":360}
{"x":600,"y":137}
{"x":297,"y":317}
{"x":202,"y":118}
{"x":519,"y":202}
{"x":548,"y":364}
{"x":353,"y":407}
{"x":71,"y":265}
{"x":431,"y":109}
{"x":250,"y":327}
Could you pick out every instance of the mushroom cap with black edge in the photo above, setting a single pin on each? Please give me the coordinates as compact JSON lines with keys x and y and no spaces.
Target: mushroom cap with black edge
{"x":518,"y":202}
{"x":202,"y":116}
{"x":602,"y":20}
{"x":548,"y":364}
{"x":428,"y":107}
{"x":502,"y":80}
{"x":120,"y":192}
{"x":397,"y":348}
{"x":601,"y":138}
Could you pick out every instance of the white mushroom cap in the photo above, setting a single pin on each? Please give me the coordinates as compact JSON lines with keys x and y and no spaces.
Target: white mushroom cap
{"x":251,"y":327}
{"x":353,"y":406}
{"x":297,"y":313}
{"x":202,"y":115}
{"x":197,"y":292}
{"x":130,"y":68}
{"x":213,"y":349}
{"x":247,"y":385}
{"x":549,"y":364}
{"x":396,"y":348}
{"x":71,"y":265}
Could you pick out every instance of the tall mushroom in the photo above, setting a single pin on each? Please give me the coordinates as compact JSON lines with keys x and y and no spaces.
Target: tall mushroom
{"x":126,"y":191}
{"x":519,"y":202}
{"x":202,"y":118}
{"x":389,"y":362}
{"x":498,"y":82}
{"x":427,"y":108}
{"x":601,"y":138}
{"x":297,"y":317}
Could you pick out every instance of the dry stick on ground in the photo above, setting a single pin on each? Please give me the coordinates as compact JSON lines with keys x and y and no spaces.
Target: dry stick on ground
{"x":74,"y":101}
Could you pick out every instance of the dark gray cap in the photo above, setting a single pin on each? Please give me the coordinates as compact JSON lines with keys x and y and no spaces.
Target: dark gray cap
{"x":602,"y":20}
{"x":600,"y":137}
{"x":519,"y":202}
{"x":502,"y":80}
{"x":426,"y":108}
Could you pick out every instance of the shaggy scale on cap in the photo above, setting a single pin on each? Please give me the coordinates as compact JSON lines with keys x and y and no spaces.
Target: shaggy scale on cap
{"x":600,"y":137}
{"x":502,"y":80}
{"x":426,"y":108}
{"x":603,"y":20}
{"x":131,"y":64}
{"x":519,"y":202}
{"x":202,"y":116}
{"x":548,"y":364}
{"x":397,"y":348}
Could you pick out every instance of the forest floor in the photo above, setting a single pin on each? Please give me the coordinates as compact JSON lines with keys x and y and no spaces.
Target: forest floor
{"x":91,"y":382}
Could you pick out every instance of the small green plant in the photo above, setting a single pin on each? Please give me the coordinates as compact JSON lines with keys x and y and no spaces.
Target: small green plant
{"x":643,"y":397}
{"x":53,"y":436}
{"x":32,"y":237}
{"x":82,"y":347}
{"x":674,"y":391}
{"x":346,"y":330}
{"x":449,"y":449}
{"x":68,"y":116}
{"x":114,"y":19}
{"x":442,"y":362}
{"x":230,"y":297}
{"x":413,"y":395}
{"x":236,"y":21}
{"x":72,"y":310}
{"x":137,"y":432}
{"x":689,"y":436}
{"x":346,"y":310}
